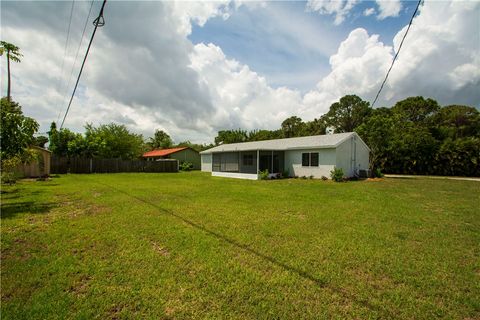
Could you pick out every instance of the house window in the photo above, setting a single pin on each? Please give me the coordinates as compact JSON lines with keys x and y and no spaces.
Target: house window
{"x":306,"y":159}
{"x":248,"y":159}
{"x":314,"y":159}
{"x":310,"y":159}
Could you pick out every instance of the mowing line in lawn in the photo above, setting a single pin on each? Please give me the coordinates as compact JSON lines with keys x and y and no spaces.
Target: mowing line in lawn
{"x":320,"y":282}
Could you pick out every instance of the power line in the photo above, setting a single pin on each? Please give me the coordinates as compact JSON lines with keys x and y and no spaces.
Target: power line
{"x":398,"y":51}
{"x":75,"y":61}
{"x":66,"y":44}
{"x":98,"y":22}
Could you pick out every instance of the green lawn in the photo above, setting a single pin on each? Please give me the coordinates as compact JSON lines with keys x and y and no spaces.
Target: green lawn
{"x":188,"y":245}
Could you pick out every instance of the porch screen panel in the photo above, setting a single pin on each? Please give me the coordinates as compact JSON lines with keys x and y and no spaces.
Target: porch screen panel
{"x":216,"y":161}
{"x":229,"y":162}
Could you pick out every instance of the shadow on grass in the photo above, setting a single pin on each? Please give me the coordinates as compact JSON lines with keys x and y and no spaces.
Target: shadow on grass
{"x":10,"y":210}
{"x":318,"y":281}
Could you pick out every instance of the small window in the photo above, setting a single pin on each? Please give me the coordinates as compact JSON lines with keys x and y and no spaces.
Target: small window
{"x":305,"y":159}
{"x":248,"y":159}
{"x":314,"y":159}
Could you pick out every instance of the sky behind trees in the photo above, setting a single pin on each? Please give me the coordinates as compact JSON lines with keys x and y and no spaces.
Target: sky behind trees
{"x":193,"y":68}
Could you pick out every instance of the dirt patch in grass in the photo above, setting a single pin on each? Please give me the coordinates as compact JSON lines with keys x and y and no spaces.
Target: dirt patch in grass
{"x":80,"y":286}
{"x":160,"y":249}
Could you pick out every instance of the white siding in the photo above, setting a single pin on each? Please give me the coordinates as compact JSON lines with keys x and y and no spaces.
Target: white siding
{"x":352,"y":156}
{"x":207,"y":162}
{"x":326,"y":159}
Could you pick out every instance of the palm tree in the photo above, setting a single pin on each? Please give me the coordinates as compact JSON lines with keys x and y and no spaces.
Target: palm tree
{"x":12,"y":54}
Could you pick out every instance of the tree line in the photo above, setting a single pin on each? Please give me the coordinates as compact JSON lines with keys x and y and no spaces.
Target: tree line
{"x":414,"y":136}
{"x":109,"y":141}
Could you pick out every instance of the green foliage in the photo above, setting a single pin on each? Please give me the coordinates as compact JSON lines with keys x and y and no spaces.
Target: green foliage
{"x":40,"y":141}
{"x":292,"y":127}
{"x":13,"y":52}
{"x":285,"y":173}
{"x":337,"y":175}
{"x":8,"y":169}
{"x":259,"y":135}
{"x":455,"y":122}
{"x":263,"y":175}
{"x":415,"y":109}
{"x":65,"y":143}
{"x":16,"y":130}
{"x":186,"y":166}
{"x":113,"y":141}
{"x":231,"y":136}
{"x":347,"y":114}
{"x":105,"y":141}
{"x":160,"y":140}
{"x":377,"y":173}
{"x":194,"y":146}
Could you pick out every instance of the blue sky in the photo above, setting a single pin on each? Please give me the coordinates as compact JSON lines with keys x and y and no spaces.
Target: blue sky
{"x":265,"y":40}
{"x":193,"y":68}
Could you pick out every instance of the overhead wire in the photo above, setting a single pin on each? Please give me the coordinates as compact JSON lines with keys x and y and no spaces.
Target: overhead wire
{"x":398,"y":51}
{"x":60,"y":80}
{"x":75,"y":61}
{"x":98,"y":22}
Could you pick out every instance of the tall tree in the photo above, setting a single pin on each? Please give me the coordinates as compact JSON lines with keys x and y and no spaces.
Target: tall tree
{"x":231,"y":136}
{"x":377,"y":132}
{"x":13,"y":53}
{"x":60,"y":140}
{"x":455,"y":122}
{"x":292,"y":127}
{"x":113,"y":141}
{"x":160,"y":140}
{"x":16,"y":130}
{"x":347,"y":114}
{"x":415,"y":109}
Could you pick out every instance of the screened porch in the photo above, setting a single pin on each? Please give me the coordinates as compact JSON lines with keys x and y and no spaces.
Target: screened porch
{"x":248,"y":162}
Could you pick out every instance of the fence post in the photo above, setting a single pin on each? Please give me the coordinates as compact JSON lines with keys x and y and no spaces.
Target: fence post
{"x":91,"y":165}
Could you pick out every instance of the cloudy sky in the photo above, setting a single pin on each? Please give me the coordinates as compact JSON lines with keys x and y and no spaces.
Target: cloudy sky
{"x":193,"y":68}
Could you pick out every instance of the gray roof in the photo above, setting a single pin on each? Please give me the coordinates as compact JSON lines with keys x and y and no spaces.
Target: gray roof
{"x":310,"y":142}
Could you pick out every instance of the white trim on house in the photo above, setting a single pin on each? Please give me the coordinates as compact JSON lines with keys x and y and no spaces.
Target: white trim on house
{"x":249,"y":176}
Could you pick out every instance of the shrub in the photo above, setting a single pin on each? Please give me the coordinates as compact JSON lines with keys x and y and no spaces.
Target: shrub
{"x":285,"y":174}
{"x":186,"y":166}
{"x":324,"y":178}
{"x":310,"y":177}
{"x":337,"y":175}
{"x":377,"y":173}
{"x":263,"y":174}
{"x":8,"y":169}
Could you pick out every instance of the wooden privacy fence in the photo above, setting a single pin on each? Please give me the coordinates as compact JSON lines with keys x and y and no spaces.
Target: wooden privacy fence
{"x":61,"y":165}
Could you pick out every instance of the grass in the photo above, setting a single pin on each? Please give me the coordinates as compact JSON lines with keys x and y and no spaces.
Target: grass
{"x":188,"y":245}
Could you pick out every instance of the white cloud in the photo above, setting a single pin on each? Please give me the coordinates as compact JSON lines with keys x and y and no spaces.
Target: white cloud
{"x":340,"y":8}
{"x":240,"y":96}
{"x":154,"y":77}
{"x":388,"y":8}
{"x":369,"y":12}
{"x":198,"y":12}
{"x":438,"y":60}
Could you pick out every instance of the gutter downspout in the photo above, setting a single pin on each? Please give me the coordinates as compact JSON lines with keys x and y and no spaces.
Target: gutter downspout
{"x":258,"y":162}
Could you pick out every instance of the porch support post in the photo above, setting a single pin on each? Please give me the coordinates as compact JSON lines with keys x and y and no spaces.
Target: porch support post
{"x":272,"y":162}
{"x":258,"y":161}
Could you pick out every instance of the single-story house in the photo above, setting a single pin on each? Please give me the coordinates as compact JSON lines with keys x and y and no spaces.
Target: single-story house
{"x":302,"y":156}
{"x":182,"y":154}
{"x":40,"y":167}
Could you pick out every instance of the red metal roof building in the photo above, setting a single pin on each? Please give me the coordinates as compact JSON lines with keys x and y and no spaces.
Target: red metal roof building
{"x":162,"y":152}
{"x":182,"y":154}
